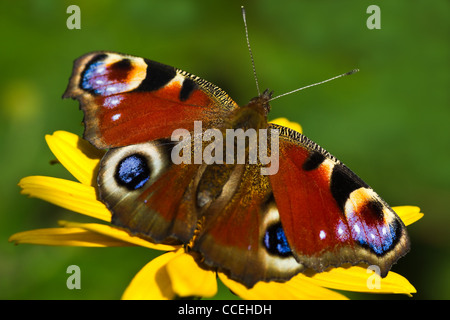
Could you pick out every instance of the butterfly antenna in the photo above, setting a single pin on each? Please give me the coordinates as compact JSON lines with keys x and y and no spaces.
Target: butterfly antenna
{"x":250,"y":49}
{"x":315,"y":84}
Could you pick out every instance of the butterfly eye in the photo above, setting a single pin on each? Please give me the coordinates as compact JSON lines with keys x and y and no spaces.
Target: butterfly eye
{"x":275,"y":241}
{"x":133,"y":172}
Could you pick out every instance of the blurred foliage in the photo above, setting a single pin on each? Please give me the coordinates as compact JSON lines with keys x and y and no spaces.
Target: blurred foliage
{"x":389,"y":122}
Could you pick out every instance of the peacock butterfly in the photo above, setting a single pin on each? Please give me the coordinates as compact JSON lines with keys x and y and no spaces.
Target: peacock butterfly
{"x":312,"y":212}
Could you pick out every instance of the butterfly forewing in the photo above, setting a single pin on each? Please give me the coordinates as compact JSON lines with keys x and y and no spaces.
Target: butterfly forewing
{"x":128,"y":100}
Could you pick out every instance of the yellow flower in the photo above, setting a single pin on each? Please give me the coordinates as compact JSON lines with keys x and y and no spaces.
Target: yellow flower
{"x":173,"y":274}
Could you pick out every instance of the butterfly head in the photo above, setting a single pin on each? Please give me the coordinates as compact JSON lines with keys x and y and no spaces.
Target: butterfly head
{"x":253,"y":115}
{"x":261,"y":102}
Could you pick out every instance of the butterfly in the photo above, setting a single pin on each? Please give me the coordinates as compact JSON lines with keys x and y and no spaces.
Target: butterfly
{"x":312,"y":214}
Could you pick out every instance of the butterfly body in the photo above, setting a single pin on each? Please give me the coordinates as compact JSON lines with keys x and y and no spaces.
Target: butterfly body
{"x":306,"y":211}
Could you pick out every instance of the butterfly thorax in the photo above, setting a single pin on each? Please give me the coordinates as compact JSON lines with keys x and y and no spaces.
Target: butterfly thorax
{"x":217,"y":178}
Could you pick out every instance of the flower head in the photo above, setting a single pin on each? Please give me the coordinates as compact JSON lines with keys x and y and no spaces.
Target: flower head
{"x":175,"y":273}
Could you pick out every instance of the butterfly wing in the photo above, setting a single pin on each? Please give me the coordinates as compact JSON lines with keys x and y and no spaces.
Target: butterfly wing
{"x":329,"y":215}
{"x":239,"y":232}
{"x":128,"y":100}
{"x":313,"y":213}
{"x":132,"y":105}
{"x":147,"y":194}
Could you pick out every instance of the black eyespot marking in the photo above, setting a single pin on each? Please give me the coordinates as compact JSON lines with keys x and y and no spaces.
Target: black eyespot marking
{"x":373,"y":211}
{"x":343,"y":182}
{"x":122,"y":65}
{"x":275,"y":241}
{"x":314,"y":160}
{"x":158,"y":75}
{"x":187,"y":89}
{"x":99,"y":57}
{"x":132,"y":172}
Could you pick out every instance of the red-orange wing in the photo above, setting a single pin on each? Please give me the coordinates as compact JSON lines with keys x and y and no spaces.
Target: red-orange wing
{"x":128,"y":100}
{"x":329,"y":215}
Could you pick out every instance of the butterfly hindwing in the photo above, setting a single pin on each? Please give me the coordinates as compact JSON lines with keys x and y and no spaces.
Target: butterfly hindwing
{"x":240,"y":231}
{"x":329,"y":215}
{"x":147,"y":194}
{"x":128,"y":100}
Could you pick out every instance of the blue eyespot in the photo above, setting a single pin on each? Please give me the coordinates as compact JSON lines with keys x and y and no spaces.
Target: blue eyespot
{"x":275,"y":241}
{"x":101,"y":79}
{"x":133,"y":172}
{"x":380,"y":239}
{"x":90,"y":73}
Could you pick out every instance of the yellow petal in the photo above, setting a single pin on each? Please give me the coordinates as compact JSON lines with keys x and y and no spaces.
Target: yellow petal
{"x":68,"y":194}
{"x":286,"y":123}
{"x":79,"y":157}
{"x":189,"y":280}
{"x":408,"y":214}
{"x":66,"y":237}
{"x":152,"y":282}
{"x":117,"y":234}
{"x":294,"y":289}
{"x":359,"y":278}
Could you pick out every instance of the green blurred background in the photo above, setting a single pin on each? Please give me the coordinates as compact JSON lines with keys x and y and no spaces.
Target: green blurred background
{"x":389,"y":122}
